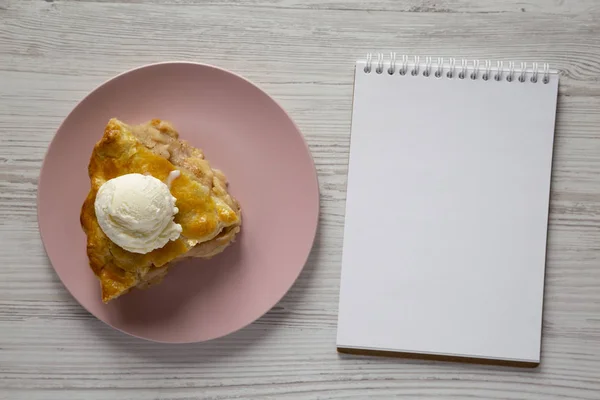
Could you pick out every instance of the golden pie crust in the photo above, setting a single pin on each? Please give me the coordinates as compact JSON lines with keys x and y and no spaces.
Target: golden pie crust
{"x":209,"y":216}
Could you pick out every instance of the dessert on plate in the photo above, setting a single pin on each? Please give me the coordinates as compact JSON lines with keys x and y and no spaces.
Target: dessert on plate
{"x":154,"y":200}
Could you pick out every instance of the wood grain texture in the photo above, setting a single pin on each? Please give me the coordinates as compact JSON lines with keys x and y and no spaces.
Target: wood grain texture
{"x":442,"y":6}
{"x":302,"y":53}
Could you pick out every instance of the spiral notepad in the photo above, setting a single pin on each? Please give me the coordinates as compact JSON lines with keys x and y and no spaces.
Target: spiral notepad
{"x":447,"y":208}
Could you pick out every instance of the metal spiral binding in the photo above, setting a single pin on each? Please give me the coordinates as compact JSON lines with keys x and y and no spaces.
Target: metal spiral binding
{"x":427,"y":70}
{"x":379,"y":68}
{"x":463,"y":70}
{"x":440,"y":68}
{"x":392,"y":67}
{"x":416,"y":65}
{"x":466,"y":69}
{"x":452,"y":68}
{"x":475,"y":72}
{"x":368,"y":63}
{"x":500,"y":70}
{"x":488,"y":70}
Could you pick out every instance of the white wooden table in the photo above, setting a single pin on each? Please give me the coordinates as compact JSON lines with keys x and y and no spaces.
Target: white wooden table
{"x":301,"y":52}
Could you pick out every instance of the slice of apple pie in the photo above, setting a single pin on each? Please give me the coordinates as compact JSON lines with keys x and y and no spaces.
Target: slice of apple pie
{"x":154,"y":200}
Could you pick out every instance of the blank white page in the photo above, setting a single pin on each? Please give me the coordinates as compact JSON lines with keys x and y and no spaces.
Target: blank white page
{"x":446,"y":215}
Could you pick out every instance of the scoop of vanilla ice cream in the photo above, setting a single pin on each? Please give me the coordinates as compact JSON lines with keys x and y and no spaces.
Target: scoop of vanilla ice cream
{"x":136,"y":212}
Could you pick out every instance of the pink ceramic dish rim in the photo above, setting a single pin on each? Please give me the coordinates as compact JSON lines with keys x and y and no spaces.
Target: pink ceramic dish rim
{"x":307,"y":148}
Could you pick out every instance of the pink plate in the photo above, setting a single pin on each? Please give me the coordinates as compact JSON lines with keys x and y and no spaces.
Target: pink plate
{"x":243,"y":132}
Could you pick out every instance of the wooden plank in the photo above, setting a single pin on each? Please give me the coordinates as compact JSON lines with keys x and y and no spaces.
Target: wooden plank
{"x":302,"y":53}
{"x":416,"y":6}
{"x":304,"y":45}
